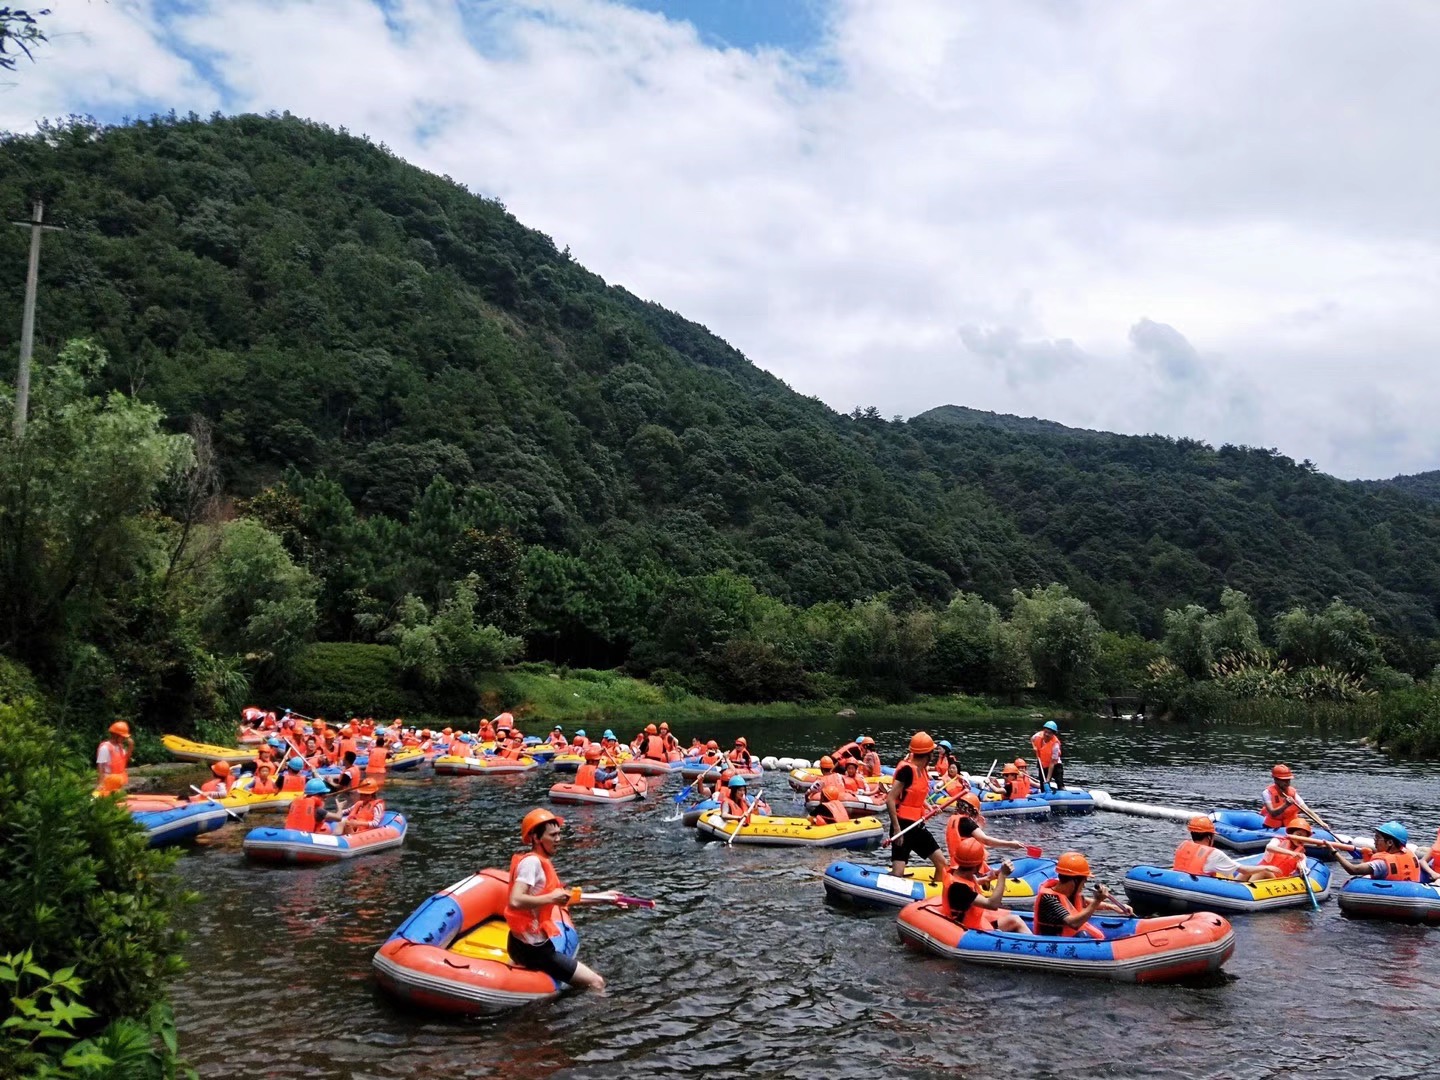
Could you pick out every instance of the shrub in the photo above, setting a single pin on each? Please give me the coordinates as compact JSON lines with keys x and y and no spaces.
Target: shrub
{"x":79,"y":886}
{"x":339,"y":679}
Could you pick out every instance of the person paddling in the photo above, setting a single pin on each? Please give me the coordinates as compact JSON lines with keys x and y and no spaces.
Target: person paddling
{"x":1060,"y":906}
{"x":307,"y":813}
{"x":906,"y":802}
{"x":1200,"y":856}
{"x":962,"y":900}
{"x":1046,"y":742}
{"x":530,"y":913}
{"x":112,"y":756}
{"x":968,"y":823}
{"x":368,"y":810}
{"x":591,"y":775}
{"x":1280,"y":803}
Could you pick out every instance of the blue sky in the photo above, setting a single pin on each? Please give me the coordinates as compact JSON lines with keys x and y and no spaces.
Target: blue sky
{"x":796,"y":25}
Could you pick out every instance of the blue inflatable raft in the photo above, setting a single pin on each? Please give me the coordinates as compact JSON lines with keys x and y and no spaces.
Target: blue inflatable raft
{"x":294,"y":846}
{"x":1398,"y":901}
{"x":1245,"y":831}
{"x":1160,"y":890}
{"x":185,"y":822}
{"x":876,"y":887}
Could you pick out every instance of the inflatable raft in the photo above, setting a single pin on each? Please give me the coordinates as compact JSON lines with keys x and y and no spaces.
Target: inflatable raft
{"x":449,"y":955}
{"x":205,"y":753}
{"x":1033,"y":808}
{"x":1398,"y":901}
{"x":1244,"y":831}
{"x":801,"y":779}
{"x":625,"y":790}
{"x":875,"y":886}
{"x":690,"y":818}
{"x":694,"y":770}
{"x":642,"y":766}
{"x":294,"y":846}
{"x":567,"y":762}
{"x":451,"y":765}
{"x":1160,"y":950}
{"x":412,"y":757}
{"x":1155,"y":890}
{"x":866,"y":832}
{"x":1067,"y":800}
{"x":856,"y":804}
{"x":181,"y":822}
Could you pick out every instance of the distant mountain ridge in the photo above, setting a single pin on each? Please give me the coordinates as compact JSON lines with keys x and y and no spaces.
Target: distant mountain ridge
{"x":1025,"y":425}
{"x":1423,"y":485}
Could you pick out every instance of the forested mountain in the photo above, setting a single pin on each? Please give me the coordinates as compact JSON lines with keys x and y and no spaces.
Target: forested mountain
{"x":352,"y":328}
{"x":1425,"y":485}
{"x":963,"y":416}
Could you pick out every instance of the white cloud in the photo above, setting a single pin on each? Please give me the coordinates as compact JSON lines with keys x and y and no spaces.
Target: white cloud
{"x":1028,"y":207}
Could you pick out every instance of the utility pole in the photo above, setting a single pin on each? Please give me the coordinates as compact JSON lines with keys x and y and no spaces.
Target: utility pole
{"x":27,"y":323}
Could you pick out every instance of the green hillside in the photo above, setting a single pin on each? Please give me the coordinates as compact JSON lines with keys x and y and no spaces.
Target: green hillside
{"x":409,"y":386}
{"x":1425,"y":485}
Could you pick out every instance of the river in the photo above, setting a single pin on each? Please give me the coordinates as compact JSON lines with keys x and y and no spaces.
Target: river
{"x":745,"y":970}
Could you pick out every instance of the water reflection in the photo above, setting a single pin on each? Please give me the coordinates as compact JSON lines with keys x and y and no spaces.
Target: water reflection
{"x":745,"y":969}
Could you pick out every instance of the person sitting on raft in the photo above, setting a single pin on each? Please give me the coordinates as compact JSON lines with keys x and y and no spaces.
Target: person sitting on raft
{"x":556,"y":738}
{"x":579,"y":743}
{"x":1200,"y":856}
{"x":367,"y":811}
{"x":962,"y":901}
{"x":264,"y":782}
{"x":1389,"y":860}
{"x":349,"y":777}
{"x":968,"y":823}
{"x":870,"y":763}
{"x":1280,"y":803}
{"x":854,"y":782}
{"x":1015,"y":780}
{"x":1283,"y":853}
{"x":294,"y":774}
{"x":740,"y":756}
{"x":535,"y":892}
{"x":672,"y":744}
{"x":220,"y":786}
{"x":907,"y":802}
{"x":830,"y":790}
{"x":650,"y":745}
{"x":1060,"y":908}
{"x":511,"y":747}
{"x":590,"y":774}
{"x":308,"y":813}
{"x":735,"y":805}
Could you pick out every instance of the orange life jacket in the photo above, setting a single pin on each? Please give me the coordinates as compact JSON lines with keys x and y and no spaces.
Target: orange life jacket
{"x":1020,"y":787}
{"x":941,"y":764}
{"x":1399,"y":865}
{"x":1070,"y":906}
{"x":1287,"y":815}
{"x":1285,"y":862}
{"x":487,"y":731}
{"x":871,"y":763}
{"x":1047,"y":751}
{"x":850,"y":749}
{"x":585,"y":777}
{"x":213,"y":787}
{"x":351,"y":775}
{"x":1190,"y":858}
{"x":852,"y":783}
{"x":579,"y":743}
{"x":711,"y":757}
{"x":655,"y":748}
{"x":833,"y":810}
{"x":303,"y":814}
{"x":119,"y":764}
{"x":912,"y":804}
{"x":539,"y":920}
{"x":973,"y":918}
{"x":366,"y":815}
{"x":293,"y":781}
{"x":512,"y":752}
{"x":954,"y":834}
{"x":376,"y":762}
{"x":263,"y":785}
{"x":557,"y":740}
{"x":832,"y":789}
{"x":732,"y":803}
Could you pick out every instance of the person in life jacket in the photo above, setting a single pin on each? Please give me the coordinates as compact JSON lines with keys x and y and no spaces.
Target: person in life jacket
{"x":264,"y":782}
{"x":531,"y":911}
{"x":1022,"y":787}
{"x":1389,"y":860}
{"x":368,"y":809}
{"x":906,"y":802}
{"x":1060,"y":906}
{"x":1200,"y":856}
{"x":740,"y":756}
{"x":580,"y":741}
{"x":735,"y":803}
{"x":968,"y":823}
{"x":556,"y":738}
{"x":112,"y":756}
{"x":220,"y":785}
{"x":870,"y":763}
{"x":591,"y":775}
{"x":349,"y":773}
{"x":511,"y":748}
{"x":650,"y":745}
{"x":294,"y":779}
{"x":962,"y":899}
{"x":308,"y":813}
{"x":1046,"y":742}
{"x":943,"y":757}
{"x":1280,"y":803}
{"x":831,"y":792}
{"x":1283,"y":853}
{"x":849,"y":750}
{"x":672,"y":744}
{"x":711,"y":755}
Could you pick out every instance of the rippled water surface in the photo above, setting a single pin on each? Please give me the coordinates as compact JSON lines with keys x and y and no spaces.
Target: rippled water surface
{"x":744,"y":969}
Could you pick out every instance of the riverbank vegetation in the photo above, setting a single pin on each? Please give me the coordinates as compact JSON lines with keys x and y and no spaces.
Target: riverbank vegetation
{"x":312,"y":426}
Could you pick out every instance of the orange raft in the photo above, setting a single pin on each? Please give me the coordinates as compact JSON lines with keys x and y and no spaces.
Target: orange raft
{"x":1162,"y":950}
{"x":625,"y":790}
{"x":449,"y":955}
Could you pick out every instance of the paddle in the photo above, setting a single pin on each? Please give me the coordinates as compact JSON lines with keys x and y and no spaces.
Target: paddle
{"x":614,"y":760}
{"x":921,"y":821}
{"x":1305,"y":877}
{"x":611,"y":897}
{"x":745,"y":817}
{"x":685,"y":791}
{"x":206,"y":796}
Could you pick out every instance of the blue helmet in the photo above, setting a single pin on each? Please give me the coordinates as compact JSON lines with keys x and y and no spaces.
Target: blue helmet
{"x":558,"y":728}
{"x":580,"y":731}
{"x":274,"y":742}
{"x":737,"y":781}
{"x":317,"y":787}
{"x":295,"y":764}
{"x":1395,"y":831}
{"x":608,"y":734}
{"x":1050,"y":725}
{"x":946,"y":744}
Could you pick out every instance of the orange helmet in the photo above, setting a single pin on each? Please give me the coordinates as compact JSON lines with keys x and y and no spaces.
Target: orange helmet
{"x":369,"y":786}
{"x":536,"y":818}
{"x":592,"y":752}
{"x":664,"y":727}
{"x":969,"y":853}
{"x":221,"y":769}
{"x":1072,"y":864}
{"x":1020,"y":765}
{"x":921,"y":743}
{"x":971,"y":800}
{"x":264,"y":766}
{"x":827,"y":762}
{"x":121,"y":728}
{"x":1201,"y":824}
{"x":712,"y":745}
{"x":1009,"y":770}
{"x":650,"y":729}
{"x":1300,"y":824}
{"x":1281,"y":772}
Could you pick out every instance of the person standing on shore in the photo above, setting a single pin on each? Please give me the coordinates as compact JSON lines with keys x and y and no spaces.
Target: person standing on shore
{"x":112,"y":756}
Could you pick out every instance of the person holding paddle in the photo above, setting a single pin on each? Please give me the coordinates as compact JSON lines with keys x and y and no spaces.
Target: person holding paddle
{"x":907,"y":802}
{"x":1389,"y":860}
{"x":1280,"y":803}
{"x":1200,"y":856}
{"x":535,"y":893}
{"x":962,"y":900}
{"x":1046,"y":742}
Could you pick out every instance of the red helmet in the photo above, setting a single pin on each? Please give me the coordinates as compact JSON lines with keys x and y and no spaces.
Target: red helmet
{"x":592,"y":752}
{"x":221,"y":769}
{"x":536,"y":818}
{"x":969,"y":853}
{"x":1282,"y":772}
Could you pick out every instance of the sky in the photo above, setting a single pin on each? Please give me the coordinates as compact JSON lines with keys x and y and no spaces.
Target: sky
{"x":1218,"y":220}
